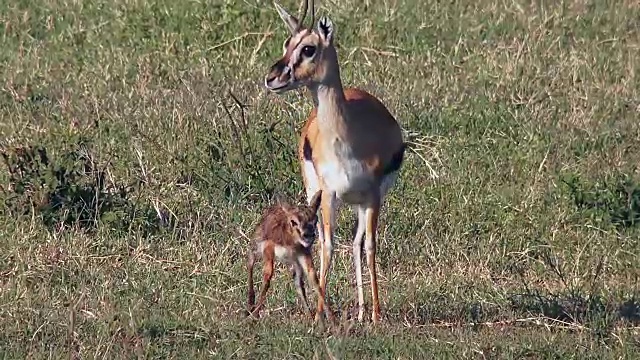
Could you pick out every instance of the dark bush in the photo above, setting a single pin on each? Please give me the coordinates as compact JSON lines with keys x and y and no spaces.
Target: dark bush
{"x":70,"y":190}
{"x":615,"y":199}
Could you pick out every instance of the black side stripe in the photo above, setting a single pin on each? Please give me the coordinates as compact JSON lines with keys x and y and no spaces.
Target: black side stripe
{"x":393,"y":166}
{"x":306,"y":149}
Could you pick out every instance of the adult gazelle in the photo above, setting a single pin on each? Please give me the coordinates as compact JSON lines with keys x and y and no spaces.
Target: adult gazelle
{"x":351,"y":147}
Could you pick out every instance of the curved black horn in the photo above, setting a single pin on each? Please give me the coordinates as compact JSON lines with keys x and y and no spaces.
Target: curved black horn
{"x":303,"y":12}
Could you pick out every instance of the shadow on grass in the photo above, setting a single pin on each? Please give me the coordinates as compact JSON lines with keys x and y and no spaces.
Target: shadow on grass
{"x":630,"y":311}
{"x":616,"y":198}
{"x":596,"y":313}
{"x":68,"y":189}
{"x":571,"y":308}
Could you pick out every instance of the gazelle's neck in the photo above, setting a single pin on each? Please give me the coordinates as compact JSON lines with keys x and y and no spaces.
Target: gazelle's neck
{"x":328,"y":97}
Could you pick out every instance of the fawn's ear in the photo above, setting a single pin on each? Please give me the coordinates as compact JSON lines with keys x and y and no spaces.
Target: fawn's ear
{"x":291,"y":217}
{"x":314,"y":203}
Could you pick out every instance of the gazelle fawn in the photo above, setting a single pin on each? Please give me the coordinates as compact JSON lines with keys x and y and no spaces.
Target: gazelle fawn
{"x":286,"y":233}
{"x":351,"y":147}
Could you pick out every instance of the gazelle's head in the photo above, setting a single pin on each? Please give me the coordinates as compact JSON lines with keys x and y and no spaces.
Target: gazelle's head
{"x":309,"y":56}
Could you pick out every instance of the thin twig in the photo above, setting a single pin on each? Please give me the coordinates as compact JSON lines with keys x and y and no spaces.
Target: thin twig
{"x":537,"y":320}
{"x":254,"y":55}
{"x":245,"y":132}
{"x":239,"y":37}
{"x":379,"y":52}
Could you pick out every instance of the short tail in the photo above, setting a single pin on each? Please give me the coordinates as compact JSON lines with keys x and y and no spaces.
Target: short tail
{"x":396,"y":160}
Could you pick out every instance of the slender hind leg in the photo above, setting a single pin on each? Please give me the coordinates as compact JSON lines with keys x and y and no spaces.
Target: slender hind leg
{"x":298,"y":279}
{"x":267,"y":274}
{"x":372,"y":213}
{"x":371,"y":216}
{"x":357,"y":257}
{"x":251,"y":295}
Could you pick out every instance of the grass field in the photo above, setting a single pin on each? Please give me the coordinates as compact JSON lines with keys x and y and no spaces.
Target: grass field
{"x":140,"y":145}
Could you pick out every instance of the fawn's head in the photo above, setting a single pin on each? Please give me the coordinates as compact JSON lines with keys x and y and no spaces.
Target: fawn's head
{"x":303,"y":220}
{"x":309,"y":56}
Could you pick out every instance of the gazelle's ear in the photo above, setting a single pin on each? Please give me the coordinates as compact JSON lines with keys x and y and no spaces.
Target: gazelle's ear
{"x":325,"y":29}
{"x":292,"y":23}
{"x":315,"y":201}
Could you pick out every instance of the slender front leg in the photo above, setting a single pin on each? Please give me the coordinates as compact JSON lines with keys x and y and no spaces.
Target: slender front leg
{"x":320,"y":228}
{"x":307,"y":264}
{"x":328,"y":221}
{"x":372,"y":213}
{"x":320,"y":224}
{"x":357,"y":257}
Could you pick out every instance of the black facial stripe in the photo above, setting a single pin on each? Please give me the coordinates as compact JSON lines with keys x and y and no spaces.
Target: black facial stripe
{"x":278,"y":67}
{"x":298,"y":62}
{"x":288,"y":55}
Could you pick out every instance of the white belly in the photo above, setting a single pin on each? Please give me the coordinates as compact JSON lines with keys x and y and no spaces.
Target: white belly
{"x":282,"y":253}
{"x":348,"y":178}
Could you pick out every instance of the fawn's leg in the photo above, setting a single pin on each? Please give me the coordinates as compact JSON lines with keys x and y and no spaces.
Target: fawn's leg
{"x":307,"y":264}
{"x":298,"y":280}
{"x":268,"y":256}
{"x":251,"y":295}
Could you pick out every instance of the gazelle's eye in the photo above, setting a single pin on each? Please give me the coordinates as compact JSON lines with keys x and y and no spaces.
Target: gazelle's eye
{"x":294,"y":223}
{"x":308,"y":51}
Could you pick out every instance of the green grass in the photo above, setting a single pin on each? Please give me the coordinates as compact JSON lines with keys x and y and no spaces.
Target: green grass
{"x":512,"y":232}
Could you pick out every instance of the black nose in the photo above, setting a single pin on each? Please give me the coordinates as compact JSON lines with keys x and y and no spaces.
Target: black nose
{"x":271,"y":76}
{"x":276,"y":70}
{"x":309,"y":231}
